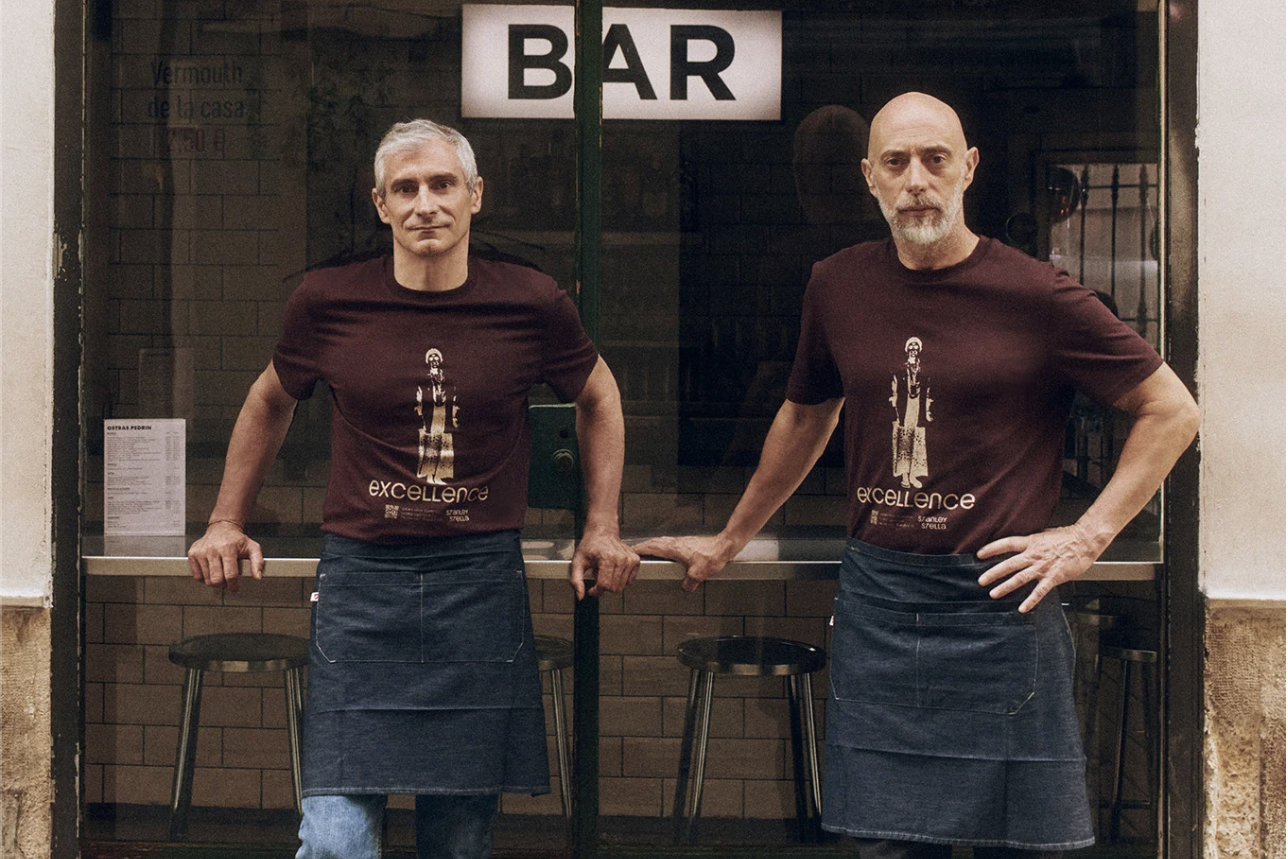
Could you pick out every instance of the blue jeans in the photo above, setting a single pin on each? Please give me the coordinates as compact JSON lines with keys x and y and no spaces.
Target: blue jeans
{"x":349,"y":827}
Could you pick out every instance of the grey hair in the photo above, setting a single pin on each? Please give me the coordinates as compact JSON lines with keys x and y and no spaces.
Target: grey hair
{"x":416,"y":133}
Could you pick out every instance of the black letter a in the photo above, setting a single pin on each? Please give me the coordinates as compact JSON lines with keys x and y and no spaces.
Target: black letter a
{"x":634,"y":73}
{"x":519,"y":61}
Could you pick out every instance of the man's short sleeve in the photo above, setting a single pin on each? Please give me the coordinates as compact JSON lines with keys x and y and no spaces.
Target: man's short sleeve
{"x":1094,"y":350}
{"x":295,"y":358}
{"x":567,"y":351}
{"x":815,"y":378}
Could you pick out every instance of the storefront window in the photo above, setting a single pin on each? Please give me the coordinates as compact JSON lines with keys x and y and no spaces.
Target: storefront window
{"x":230,"y":152}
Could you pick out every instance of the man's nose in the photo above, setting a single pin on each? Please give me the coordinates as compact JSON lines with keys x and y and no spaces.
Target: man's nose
{"x":426,"y":202}
{"x":916,"y":176}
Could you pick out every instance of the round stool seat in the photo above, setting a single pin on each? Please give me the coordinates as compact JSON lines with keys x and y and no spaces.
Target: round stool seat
{"x":241,"y":652}
{"x":1128,"y":654}
{"x":751,"y":656}
{"x":553,"y":654}
{"x":1089,"y":620}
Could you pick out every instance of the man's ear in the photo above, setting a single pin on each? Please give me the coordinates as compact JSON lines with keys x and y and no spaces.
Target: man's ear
{"x":972,"y":161}
{"x":379,"y":202}
{"x":476,"y":196}
{"x":866,"y":167}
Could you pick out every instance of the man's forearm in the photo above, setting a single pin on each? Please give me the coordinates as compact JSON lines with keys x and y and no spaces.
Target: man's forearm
{"x":257,"y":437}
{"x":601,"y":437}
{"x":1165,"y":423}
{"x":795,"y":441}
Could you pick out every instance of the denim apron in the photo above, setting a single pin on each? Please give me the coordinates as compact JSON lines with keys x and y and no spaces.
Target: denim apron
{"x":422,"y":670}
{"x":951,"y":716}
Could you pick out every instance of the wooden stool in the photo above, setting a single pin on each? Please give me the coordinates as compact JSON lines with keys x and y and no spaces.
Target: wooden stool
{"x":238,"y":652}
{"x":748,"y":656}
{"x":554,"y":655}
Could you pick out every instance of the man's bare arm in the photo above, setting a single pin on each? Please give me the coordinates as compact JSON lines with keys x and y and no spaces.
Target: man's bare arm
{"x":601,"y":437}
{"x":795,"y":442}
{"x":257,"y":437}
{"x":1166,"y":420}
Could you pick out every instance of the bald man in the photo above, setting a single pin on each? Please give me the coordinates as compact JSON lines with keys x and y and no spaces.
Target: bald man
{"x":950,"y":716}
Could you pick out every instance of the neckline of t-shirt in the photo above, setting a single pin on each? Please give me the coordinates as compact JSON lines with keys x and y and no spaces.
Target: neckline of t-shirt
{"x":398,"y":290}
{"x":935,"y":275}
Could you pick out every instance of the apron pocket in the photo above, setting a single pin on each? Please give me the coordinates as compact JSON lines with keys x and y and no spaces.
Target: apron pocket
{"x":982,"y":662}
{"x":410,"y":617}
{"x":874,"y":654}
{"x":474,"y":621}
{"x":368,"y":616}
{"x":976,"y":661}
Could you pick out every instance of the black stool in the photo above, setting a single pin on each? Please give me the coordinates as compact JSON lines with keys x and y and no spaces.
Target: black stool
{"x":748,"y":656}
{"x":554,"y":655}
{"x":1130,"y":656}
{"x":1089,"y":625}
{"x":240,"y":652}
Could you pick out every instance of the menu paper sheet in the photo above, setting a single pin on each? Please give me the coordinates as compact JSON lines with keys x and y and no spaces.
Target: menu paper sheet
{"x":144,"y":478}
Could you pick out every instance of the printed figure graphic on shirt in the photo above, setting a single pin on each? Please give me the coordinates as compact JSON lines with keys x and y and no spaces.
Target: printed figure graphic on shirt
{"x":910,"y":396}
{"x":438,"y":397}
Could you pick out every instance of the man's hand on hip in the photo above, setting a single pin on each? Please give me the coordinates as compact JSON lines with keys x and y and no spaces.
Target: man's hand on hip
{"x":1047,"y":558}
{"x":613,"y":564}
{"x":215,"y":558}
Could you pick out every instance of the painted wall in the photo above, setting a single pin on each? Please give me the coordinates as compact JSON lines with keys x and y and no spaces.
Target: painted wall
{"x":26,"y":299}
{"x":26,"y":420}
{"x":1241,"y":298}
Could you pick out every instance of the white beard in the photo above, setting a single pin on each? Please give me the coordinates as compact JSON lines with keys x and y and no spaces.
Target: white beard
{"x":923,"y":233}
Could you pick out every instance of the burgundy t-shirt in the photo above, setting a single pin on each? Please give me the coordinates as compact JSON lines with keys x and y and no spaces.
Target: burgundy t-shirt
{"x":957,"y":386}
{"x":429,"y":392}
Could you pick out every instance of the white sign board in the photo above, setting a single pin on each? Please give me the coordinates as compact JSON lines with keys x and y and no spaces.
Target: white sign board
{"x":144,"y":479}
{"x":517,"y":62}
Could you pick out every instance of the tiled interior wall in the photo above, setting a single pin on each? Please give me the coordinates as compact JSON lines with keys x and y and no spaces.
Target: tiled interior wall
{"x":199,"y":226}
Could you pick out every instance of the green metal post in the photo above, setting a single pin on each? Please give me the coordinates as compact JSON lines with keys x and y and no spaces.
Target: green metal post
{"x":587,"y":89}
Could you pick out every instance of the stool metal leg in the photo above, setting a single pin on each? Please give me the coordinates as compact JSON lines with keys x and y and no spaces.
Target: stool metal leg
{"x":679,"y":811}
{"x":697,"y":726}
{"x":811,"y":750}
{"x":186,"y":756}
{"x":1151,"y":729}
{"x":707,"y":683}
{"x":293,"y":686}
{"x":1120,"y":755}
{"x":794,"y":707}
{"x":561,"y":742}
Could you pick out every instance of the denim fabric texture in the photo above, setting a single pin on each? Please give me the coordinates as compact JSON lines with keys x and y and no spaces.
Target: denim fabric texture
{"x":877,"y":849}
{"x":950,"y":717}
{"x":349,"y":827}
{"x":422,"y":672}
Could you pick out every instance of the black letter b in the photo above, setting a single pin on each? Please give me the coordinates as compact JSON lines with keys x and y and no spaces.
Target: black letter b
{"x":519,"y":61}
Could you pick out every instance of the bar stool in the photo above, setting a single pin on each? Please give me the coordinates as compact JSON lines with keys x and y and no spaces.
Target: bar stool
{"x":1089,"y":624}
{"x":237,"y":652}
{"x":554,"y":655}
{"x":748,"y":656}
{"x":1143,"y":658}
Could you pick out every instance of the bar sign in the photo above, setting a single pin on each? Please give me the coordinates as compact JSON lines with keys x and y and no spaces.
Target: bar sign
{"x":517,"y":62}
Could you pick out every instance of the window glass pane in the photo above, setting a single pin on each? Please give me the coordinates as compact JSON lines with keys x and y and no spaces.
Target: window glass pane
{"x":231,"y":143}
{"x":711,"y":231}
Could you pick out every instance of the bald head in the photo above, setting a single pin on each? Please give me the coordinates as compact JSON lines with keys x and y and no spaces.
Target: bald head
{"x":915,"y":113}
{"x":918,"y":168}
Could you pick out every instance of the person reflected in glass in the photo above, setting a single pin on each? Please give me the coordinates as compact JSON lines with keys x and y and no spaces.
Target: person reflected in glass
{"x":423,"y":676}
{"x":950,"y":717}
